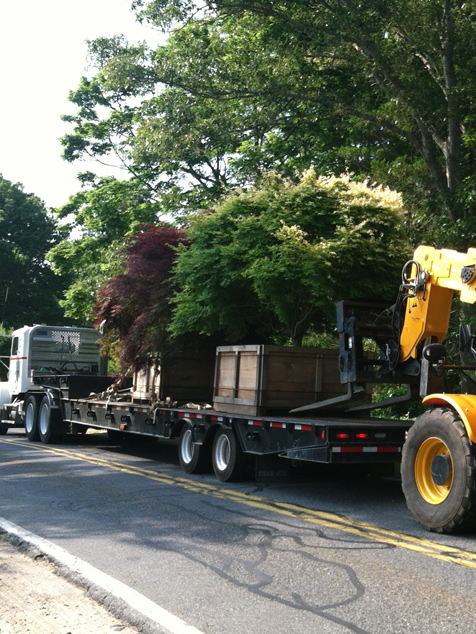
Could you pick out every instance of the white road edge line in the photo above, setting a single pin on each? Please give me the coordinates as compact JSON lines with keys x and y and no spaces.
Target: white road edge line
{"x":131,"y":597}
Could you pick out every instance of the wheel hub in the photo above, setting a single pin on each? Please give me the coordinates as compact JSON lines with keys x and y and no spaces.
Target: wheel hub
{"x":222,"y":452}
{"x":434,"y":470}
{"x":187,"y":446}
{"x":440,"y":469}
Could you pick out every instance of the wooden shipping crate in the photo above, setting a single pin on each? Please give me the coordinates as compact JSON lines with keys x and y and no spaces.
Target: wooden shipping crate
{"x":185,"y":377}
{"x":260,"y":380}
{"x":188,"y":377}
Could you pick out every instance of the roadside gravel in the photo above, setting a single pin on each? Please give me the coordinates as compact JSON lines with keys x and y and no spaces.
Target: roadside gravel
{"x":36,"y":600}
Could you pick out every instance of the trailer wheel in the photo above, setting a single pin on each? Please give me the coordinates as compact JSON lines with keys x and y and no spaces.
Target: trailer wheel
{"x":50,"y":424}
{"x":227,"y":456}
{"x":193,"y":458}
{"x":31,"y":418}
{"x":439,"y":472}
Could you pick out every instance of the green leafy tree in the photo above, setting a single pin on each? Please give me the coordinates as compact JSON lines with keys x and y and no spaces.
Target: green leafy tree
{"x":381,"y":89}
{"x":171,"y":143}
{"x":30,"y":291}
{"x":100,"y":219}
{"x":211,"y":110}
{"x":395,"y":76}
{"x":273,"y":261}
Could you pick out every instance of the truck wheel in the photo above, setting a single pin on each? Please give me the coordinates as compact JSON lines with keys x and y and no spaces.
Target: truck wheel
{"x":439,"y":472}
{"x":3,"y":429}
{"x":193,"y":458}
{"x":227,"y":457}
{"x":50,"y":424}
{"x":31,"y":418}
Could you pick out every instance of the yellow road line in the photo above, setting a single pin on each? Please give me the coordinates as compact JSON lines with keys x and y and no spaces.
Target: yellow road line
{"x":426,"y":547}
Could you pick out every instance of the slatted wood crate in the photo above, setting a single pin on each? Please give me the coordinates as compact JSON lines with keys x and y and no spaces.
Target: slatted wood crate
{"x":259,"y":380}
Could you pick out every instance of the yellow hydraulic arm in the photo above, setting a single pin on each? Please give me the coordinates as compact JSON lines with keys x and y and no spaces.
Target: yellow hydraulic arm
{"x":438,"y":457}
{"x":434,"y":275}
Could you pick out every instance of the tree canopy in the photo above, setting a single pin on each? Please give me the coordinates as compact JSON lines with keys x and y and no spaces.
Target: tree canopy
{"x":30,"y":290}
{"x":273,"y":261}
{"x":383,"y":89}
{"x":100,"y":220}
{"x":136,"y":303}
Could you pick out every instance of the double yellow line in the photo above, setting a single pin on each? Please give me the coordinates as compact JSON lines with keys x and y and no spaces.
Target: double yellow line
{"x":426,"y":547}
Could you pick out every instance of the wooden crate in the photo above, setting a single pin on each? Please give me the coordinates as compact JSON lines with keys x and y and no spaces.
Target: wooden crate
{"x":186,"y":377}
{"x":260,"y":380}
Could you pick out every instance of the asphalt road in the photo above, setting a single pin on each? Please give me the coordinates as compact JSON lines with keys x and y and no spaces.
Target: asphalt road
{"x":326,"y":552}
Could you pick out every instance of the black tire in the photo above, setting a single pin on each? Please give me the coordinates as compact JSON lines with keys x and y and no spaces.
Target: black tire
{"x":50,"y":424}
{"x":228,"y":459}
{"x":30,"y":409}
{"x":4,"y":429}
{"x":439,"y":472}
{"x":193,"y":458}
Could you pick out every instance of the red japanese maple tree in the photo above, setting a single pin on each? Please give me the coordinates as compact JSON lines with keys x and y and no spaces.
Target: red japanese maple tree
{"x":135,"y":305}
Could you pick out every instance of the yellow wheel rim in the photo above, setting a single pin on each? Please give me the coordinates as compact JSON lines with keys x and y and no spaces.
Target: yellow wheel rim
{"x":431,"y":491}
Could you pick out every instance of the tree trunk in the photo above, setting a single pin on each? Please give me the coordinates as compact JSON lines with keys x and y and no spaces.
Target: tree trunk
{"x":296,"y":341}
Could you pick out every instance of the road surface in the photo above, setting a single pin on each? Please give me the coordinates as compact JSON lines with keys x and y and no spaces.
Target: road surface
{"x":326,"y":552}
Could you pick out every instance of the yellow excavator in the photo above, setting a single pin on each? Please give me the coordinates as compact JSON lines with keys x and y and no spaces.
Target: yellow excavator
{"x":438,"y":466}
{"x":439,"y":456}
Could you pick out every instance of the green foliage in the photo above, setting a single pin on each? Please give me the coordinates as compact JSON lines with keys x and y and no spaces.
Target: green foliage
{"x":170,"y":142}
{"x":100,"y":220}
{"x":216,"y":107}
{"x":5,"y":347}
{"x":373,"y":85}
{"x":29,"y":291}
{"x":382,"y":90}
{"x":406,"y":410}
{"x":271,"y":262}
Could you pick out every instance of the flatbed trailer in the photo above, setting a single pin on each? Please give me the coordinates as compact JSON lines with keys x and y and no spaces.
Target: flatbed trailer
{"x":209,"y":437}
{"x":54,"y":389}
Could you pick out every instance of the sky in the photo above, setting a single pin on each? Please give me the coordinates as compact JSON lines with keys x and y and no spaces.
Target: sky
{"x":43,"y":55}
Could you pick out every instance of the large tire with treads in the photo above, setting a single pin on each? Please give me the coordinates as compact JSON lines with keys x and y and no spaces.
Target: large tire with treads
{"x":194,"y":458}
{"x":50,"y":423}
{"x":229,"y":462}
{"x":439,"y":472}
{"x":30,"y":408}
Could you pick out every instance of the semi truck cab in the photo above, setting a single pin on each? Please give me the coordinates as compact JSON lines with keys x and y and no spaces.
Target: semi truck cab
{"x":38,"y":352}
